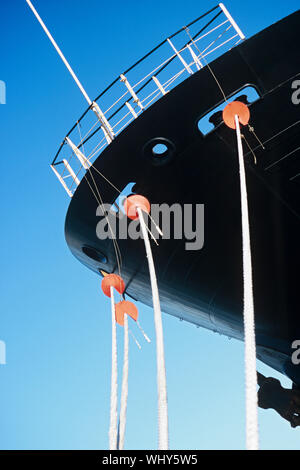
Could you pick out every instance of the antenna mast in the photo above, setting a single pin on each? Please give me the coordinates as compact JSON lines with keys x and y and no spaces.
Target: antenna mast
{"x":94,"y":106}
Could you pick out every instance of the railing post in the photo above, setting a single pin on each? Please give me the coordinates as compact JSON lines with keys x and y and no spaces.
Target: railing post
{"x":107,"y":129}
{"x":130,"y":89}
{"x":180,"y":58}
{"x":196,"y":60}
{"x":83,"y":160}
{"x":229,"y":17}
{"x":131,"y":109}
{"x":72,"y":173}
{"x":159,"y":85}
{"x":69,"y":192}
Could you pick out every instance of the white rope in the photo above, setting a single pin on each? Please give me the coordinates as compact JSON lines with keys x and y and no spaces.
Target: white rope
{"x":249,"y":324}
{"x":124,"y":392}
{"x":113,"y":428}
{"x":163,"y":438}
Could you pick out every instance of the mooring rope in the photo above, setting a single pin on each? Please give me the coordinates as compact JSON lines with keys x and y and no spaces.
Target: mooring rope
{"x":113,"y":428}
{"x":163,"y":440}
{"x":116,"y":439}
{"x":124,"y":392}
{"x":249,"y":324}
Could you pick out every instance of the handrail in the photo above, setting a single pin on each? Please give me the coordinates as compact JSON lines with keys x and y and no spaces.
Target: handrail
{"x":136,"y":95}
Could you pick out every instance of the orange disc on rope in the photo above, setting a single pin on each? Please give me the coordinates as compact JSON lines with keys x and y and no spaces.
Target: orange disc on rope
{"x":131,"y":204}
{"x":236,"y":108}
{"x":112,"y":280}
{"x":125,"y":307}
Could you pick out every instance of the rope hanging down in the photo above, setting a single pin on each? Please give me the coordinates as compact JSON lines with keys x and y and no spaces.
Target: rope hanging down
{"x":234,"y":114}
{"x":119,"y":312}
{"x":160,"y":355}
{"x":124,"y":392}
{"x":134,"y":207}
{"x":122,"y":310}
{"x":109,"y":283}
{"x":113,"y":428}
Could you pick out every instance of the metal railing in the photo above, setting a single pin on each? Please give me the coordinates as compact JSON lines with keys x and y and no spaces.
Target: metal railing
{"x":178,"y":56}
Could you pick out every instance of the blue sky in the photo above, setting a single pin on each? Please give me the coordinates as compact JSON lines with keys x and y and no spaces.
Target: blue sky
{"x":54,"y":318}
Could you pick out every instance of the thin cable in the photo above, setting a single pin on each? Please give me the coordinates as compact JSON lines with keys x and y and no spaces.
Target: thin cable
{"x":209,"y":67}
{"x":249,"y":323}
{"x":113,"y":427}
{"x":251,"y":129}
{"x":156,"y":225}
{"x":124,"y":391}
{"x":115,"y":243}
{"x":151,"y":235}
{"x":143,"y":332}
{"x":96,"y":169}
{"x":218,"y":37}
{"x":89,"y":131}
{"x":163,"y":437}
{"x":106,"y":179}
{"x":249,"y":147}
{"x":100,"y":203}
{"x":135,"y":340}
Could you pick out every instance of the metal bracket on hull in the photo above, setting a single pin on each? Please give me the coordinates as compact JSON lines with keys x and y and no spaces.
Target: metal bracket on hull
{"x":285,"y":401}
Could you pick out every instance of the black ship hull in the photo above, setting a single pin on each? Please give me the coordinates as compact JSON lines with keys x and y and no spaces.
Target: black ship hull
{"x":205,"y":287}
